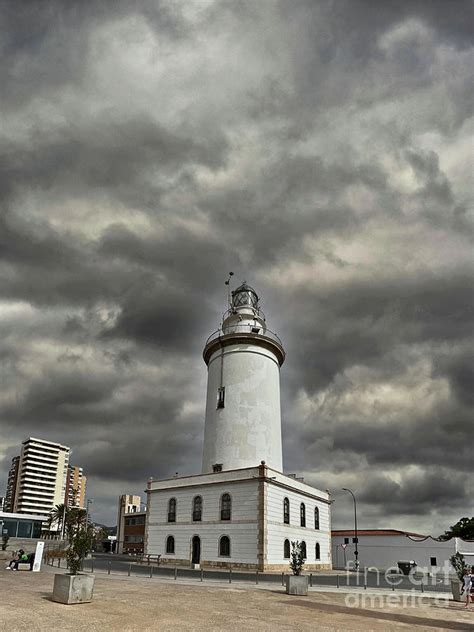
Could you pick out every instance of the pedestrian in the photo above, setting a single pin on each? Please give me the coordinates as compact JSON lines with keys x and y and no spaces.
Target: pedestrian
{"x":467,"y":586}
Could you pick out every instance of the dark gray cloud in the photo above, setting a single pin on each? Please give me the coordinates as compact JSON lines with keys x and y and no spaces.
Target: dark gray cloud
{"x":319,"y":150}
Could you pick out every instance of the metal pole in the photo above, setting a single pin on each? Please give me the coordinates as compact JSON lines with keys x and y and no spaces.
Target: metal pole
{"x":129,"y":569}
{"x":311,"y":579}
{"x":356,"y":550}
{"x":175,"y":572}
{"x":282,"y":579}
{"x":92,"y":565}
{"x":256,"y":577}
{"x":202,"y":574}
{"x":151,"y":572}
{"x":337,"y":582}
{"x":108,"y":570}
{"x":230,"y":575}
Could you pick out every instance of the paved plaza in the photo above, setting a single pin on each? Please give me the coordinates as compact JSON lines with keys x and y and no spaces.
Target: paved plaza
{"x":129,"y":604}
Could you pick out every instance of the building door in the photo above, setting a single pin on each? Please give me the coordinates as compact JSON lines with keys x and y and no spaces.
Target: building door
{"x":196,"y":550}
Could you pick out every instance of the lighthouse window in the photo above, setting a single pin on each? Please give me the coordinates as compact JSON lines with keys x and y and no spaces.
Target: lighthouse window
{"x":220,"y":397}
{"x":316,"y":518}
{"x":318,"y":551}
{"x":303,"y":550}
{"x":224,"y":546}
{"x":197,"y":509}
{"x":226,"y":507}
{"x":302,"y":515}
{"x":170,"y":544}
{"x":286,"y":511}
{"x":172,"y":510}
{"x":286,"y":550}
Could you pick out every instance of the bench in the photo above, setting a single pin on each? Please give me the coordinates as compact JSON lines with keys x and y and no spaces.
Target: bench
{"x":150,"y":559}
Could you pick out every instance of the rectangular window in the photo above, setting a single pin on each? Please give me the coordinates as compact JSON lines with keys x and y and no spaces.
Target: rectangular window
{"x":433,"y":561}
{"x":346,"y":540}
{"x":220,"y":397}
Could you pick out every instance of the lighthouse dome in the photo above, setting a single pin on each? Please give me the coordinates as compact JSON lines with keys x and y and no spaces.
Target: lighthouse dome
{"x":244,"y":296}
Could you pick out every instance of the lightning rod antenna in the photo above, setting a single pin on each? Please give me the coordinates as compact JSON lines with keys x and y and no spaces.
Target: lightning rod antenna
{"x":231,"y":274}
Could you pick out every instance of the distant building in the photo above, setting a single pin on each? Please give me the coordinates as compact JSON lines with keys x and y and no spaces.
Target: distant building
{"x":384,"y":548}
{"x":130,"y":525}
{"x":76,"y":484}
{"x":9,"y":504}
{"x":2,"y":503}
{"x":41,"y":476}
{"x":21,"y":525}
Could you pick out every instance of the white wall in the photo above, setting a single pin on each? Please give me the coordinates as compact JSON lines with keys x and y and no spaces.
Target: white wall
{"x":382,"y":552}
{"x":242,"y":529}
{"x":248,"y":429}
{"x":278,"y":531}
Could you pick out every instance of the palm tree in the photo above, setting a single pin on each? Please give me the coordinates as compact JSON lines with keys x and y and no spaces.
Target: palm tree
{"x":57,"y":516}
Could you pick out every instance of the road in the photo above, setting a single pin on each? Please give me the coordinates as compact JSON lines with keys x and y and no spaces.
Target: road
{"x":123,"y":564}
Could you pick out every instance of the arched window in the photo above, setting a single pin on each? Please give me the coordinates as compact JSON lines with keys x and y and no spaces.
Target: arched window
{"x":318,"y":551}
{"x":172,"y":510}
{"x":286,"y":550}
{"x":197,"y":508}
{"x":303,"y":549}
{"x":302,"y":515}
{"x":224,"y":546}
{"x":286,"y":511}
{"x":316,"y":518}
{"x":170,"y":544}
{"x":226,"y":507}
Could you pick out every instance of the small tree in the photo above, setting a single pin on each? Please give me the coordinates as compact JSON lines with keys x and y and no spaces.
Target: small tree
{"x":80,"y":535}
{"x":296,"y":560}
{"x":80,"y":544}
{"x":5,"y":538}
{"x":459,"y":564}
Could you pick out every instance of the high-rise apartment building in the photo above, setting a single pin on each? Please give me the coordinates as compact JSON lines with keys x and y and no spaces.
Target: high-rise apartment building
{"x":9,"y":503}
{"x":75,"y":487}
{"x":42,"y":476}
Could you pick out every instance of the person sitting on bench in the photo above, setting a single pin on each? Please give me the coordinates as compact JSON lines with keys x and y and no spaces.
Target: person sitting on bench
{"x":22,"y":557}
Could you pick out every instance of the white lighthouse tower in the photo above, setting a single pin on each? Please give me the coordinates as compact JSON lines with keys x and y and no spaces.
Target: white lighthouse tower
{"x":242,"y":511}
{"x":243,"y":419}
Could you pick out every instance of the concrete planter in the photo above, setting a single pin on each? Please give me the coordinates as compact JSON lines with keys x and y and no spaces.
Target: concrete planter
{"x":456,"y":589}
{"x":296,"y":585}
{"x":73,"y":588}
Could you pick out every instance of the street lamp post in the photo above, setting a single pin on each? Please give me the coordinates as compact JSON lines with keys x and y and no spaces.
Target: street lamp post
{"x":356,"y":550}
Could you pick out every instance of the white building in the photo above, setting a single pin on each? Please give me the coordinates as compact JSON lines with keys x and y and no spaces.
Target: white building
{"x":384,"y":548}
{"x":241,"y":511}
{"x":41,"y":478}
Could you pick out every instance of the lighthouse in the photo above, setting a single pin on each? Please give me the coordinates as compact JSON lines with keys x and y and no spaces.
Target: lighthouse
{"x":242,"y":511}
{"x":243,"y":418}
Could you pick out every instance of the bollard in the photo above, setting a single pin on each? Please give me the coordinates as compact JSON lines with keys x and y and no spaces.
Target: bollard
{"x":175,"y":572}
{"x":129,"y":569}
{"x":311,"y":579}
{"x":337,"y":581}
{"x":230,"y":575}
{"x":108,"y":570}
{"x":202,"y":574}
{"x":365,"y":584}
{"x":151,"y":572}
{"x":256,"y":577}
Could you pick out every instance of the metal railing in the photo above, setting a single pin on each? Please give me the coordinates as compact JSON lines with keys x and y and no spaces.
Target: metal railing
{"x":248,"y":329}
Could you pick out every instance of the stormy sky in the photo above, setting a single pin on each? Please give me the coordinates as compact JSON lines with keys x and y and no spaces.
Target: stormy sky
{"x":321,"y":150}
